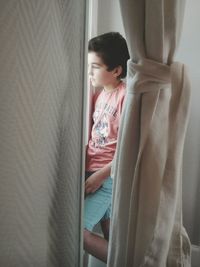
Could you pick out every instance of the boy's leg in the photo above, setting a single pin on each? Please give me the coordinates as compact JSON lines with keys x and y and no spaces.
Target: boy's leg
{"x":97,"y":205}
{"x":95,"y":209}
{"x":105,"y":226}
{"x":105,"y":223}
{"x":96,"y":245}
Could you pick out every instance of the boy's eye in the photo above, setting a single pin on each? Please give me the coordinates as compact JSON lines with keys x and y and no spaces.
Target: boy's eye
{"x":96,"y":67}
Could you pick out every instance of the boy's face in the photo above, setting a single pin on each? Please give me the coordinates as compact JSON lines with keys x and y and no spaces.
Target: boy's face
{"x":98,"y":73}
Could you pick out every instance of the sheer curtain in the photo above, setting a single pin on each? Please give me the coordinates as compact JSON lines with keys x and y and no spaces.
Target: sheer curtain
{"x":41,"y":94}
{"x":147,"y":225}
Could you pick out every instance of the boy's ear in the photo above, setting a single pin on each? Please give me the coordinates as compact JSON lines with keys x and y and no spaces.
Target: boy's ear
{"x":118,"y":71}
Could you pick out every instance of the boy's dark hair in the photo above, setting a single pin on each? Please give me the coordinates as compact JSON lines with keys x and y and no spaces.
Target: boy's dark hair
{"x":111,"y":47}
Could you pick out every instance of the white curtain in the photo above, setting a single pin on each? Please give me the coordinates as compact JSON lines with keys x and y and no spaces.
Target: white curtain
{"x":147,"y":225}
{"x":41,"y":93}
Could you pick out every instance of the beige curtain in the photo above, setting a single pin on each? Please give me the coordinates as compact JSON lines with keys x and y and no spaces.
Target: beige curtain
{"x":147,"y":225}
{"x":41,"y":93}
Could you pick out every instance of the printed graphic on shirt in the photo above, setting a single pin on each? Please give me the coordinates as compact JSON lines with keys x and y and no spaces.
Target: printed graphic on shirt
{"x":101,"y":130}
{"x":101,"y":123}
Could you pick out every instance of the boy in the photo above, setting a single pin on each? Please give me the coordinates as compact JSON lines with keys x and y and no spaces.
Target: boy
{"x":107,"y":65}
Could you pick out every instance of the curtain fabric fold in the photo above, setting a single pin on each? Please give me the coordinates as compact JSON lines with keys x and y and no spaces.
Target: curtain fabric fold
{"x":147,"y":225}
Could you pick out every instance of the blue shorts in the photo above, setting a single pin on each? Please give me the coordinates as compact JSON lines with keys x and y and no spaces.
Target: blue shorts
{"x":97,"y":206}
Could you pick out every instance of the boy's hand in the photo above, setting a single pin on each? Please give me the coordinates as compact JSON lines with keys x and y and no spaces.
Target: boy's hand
{"x":93,"y":183}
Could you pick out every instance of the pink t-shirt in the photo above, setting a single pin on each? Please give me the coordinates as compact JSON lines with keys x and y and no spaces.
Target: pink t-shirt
{"x":106,"y":118}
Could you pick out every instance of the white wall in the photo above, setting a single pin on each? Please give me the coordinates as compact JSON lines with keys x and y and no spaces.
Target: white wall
{"x":109,"y":19}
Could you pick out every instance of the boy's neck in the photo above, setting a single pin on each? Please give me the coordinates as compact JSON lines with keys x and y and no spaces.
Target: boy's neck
{"x":113,"y":86}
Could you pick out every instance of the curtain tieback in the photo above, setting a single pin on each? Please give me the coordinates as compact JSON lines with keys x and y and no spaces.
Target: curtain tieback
{"x":146,"y":74}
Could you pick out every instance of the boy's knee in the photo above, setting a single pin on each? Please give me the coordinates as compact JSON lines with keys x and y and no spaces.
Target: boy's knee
{"x":86,"y":237}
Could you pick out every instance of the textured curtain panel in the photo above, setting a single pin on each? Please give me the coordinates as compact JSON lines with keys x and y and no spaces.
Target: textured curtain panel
{"x":147,"y":225}
{"x":41,"y":92}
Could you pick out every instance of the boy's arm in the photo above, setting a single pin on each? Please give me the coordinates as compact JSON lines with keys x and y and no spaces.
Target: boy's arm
{"x":96,"y":179}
